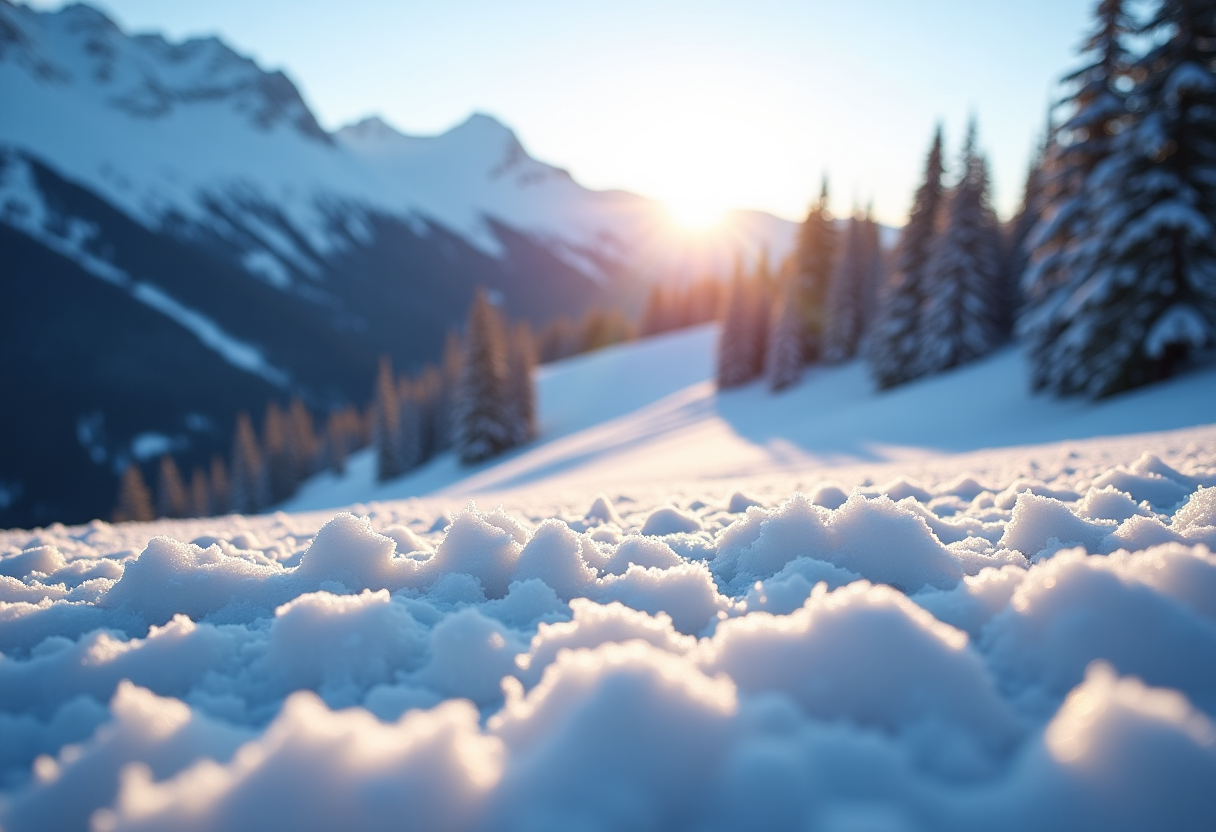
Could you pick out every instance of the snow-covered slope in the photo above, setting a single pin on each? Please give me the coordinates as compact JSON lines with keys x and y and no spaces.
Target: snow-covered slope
{"x":649,"y":412}
{"x":1010,"y":640}
{"x":192,"y":132}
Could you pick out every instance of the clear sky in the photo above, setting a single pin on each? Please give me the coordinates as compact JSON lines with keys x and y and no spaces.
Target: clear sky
{"x":705,"y":104}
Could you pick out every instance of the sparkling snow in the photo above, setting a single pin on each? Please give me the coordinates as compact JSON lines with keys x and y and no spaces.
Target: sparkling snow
{"x":901,"y":636}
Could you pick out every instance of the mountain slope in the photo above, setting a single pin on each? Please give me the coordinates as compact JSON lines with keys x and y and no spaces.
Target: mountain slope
{"x":203,"y":188}
{"x":648,"y":412}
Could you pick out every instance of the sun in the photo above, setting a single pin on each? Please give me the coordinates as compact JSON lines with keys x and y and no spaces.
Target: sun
{"x":694,"y":214}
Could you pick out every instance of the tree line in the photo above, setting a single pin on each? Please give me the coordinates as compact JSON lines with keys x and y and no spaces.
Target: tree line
{"x":479,"y":401}
{"x":1107,"y":272}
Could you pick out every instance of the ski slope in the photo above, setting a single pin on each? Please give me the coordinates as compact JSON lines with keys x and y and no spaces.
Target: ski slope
{"x":951,"y":607}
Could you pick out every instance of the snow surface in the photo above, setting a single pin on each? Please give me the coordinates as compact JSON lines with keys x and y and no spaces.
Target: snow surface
{"x":901,"y":636}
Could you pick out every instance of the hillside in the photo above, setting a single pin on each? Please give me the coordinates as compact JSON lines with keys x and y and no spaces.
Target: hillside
{"x":648,"y":412}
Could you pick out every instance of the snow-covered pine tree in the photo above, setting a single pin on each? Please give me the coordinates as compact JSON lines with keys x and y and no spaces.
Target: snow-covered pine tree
{"x":893,"y":343}
{"x":737,"y":357}
{"x":1062,"y":242}
{"x":815,"y":257}
{"x":247,"y":482}
{"x":783,"y":359}
{"x":386,"y":425}
{"x":171,"y":497}
{"x":482,"y":413}
{"x":962,"y":313}
{"x":1146,"y":296}
{"x":134,"y":501}
{"x":521,"y":364}
{"x":844,"y":317}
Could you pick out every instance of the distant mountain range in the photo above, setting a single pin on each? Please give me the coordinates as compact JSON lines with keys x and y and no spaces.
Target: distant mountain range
{"x":180,"y":239}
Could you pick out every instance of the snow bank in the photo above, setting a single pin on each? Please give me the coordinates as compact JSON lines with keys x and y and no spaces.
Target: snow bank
{"x":1027,"y":645}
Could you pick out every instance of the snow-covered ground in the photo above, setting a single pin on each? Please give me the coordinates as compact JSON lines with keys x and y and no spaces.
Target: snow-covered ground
{"x":953,"y":606}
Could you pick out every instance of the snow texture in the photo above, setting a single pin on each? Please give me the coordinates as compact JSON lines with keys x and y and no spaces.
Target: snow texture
{"x":1020,"y":640}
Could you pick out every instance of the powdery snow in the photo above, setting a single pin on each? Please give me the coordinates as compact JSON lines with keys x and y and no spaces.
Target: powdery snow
{"x":1023,"y":638}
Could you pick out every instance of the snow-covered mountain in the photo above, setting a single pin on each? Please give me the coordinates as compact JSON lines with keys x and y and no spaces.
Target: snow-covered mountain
{"x":194,"y":134}
{"x":182,"y":240}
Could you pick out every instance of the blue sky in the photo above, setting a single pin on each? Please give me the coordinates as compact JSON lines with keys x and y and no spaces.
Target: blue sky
{"x":705,"y":104}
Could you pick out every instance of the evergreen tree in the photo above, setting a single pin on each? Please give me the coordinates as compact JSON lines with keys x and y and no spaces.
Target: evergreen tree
{"x":656,"y":318}
{"x":877,"y":266}
{"x":247,"y":484}
{"x":962,"y":313}
{"x":762,"y":297}
{"x":783,"y":359}
{"x":482,"y":426}
{"x":849,"y":291}
{"x":1142,"y":293}
{"x":737,"y":355}
{"x":386,"y":429}
{"x":200,"y":494}
{"x":302,"y":443}
{"x":445,"y":407}
{"x":815,"y":257}
{"x":893,"y":345}
{"x":134,"y":501}
{"x":521,"y":386}
{"x":171,"y":497}
{"x":220,"y":493}
{"x":337,"y":443}
{"x":1058,"y":243}
{"x":411,"y":440}
{"x":277,"y":456}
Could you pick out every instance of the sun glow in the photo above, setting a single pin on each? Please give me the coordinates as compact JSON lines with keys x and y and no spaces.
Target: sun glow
{"x":695,"y":214}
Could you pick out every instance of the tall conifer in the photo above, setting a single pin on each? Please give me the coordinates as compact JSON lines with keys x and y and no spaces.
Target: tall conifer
{"x":482,"y":428}
{"x":200,"y":494}
{"x":521,"y":386}
{"x":893,"y":344}
{"x":276,"y":455}
{"x":962,"y":313}
{"x":247,"y":480}
{"x":134,"y":501}
{"x":1142,"y":295}
{"x":171,"y":497}
{"x":783,"y":359}
{"x":815,"y":257}
{"x":220,"y":489}
{"x":848,"y":291}
{"x":737,"y":356}
{"x":386,"y":429}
